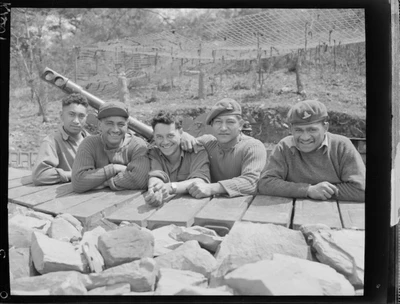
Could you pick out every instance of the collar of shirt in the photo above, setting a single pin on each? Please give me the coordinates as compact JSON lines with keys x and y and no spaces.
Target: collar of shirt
{"x":127,"y":140}
{"x":324,"y":145}
{"x":167,"y":161}
{"x":240,"y":137}
{"x":65,"y":136}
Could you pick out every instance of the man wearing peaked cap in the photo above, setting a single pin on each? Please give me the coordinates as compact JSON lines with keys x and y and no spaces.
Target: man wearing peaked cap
{"x":236,"y":160}
{"x":312,"y":162}
{"x":115,"y":158}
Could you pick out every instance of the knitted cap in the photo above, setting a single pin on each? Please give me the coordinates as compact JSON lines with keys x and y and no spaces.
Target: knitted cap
{"x":307,"y":111}
{"x":226,"y":106}
{"x":113,"y":108}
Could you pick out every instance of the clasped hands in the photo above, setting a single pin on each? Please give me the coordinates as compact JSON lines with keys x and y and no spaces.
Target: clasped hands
{"x":322,"y":191}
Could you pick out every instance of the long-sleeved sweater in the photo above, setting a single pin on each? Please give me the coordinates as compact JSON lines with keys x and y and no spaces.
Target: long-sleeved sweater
{"x":55,"y":158}
{"x":290,"y":172}
{"x":238,"y":168}
{"x":94,"y":164}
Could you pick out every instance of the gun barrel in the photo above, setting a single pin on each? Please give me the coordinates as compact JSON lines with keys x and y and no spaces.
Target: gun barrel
{"x":69,"y":87}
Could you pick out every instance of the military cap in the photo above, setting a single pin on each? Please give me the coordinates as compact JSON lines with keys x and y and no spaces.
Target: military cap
{"x":306,"y":112}
{"x":246,"y":126}
{"x":226,"y":106}
{"x":113,"y":108}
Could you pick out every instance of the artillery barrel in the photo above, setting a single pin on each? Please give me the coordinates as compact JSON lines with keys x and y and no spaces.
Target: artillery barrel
{"x":69,"y":87}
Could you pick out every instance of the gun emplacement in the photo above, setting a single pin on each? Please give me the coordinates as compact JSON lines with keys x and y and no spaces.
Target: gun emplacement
{"x":69,"y":87}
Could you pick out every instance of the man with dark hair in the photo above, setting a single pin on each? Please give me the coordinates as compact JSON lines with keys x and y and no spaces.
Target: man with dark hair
{"x":172,"y":170}
{"x":57,"y":152}
{"x":313,"y":163}
{"x":236,"y":160}
{"x":115,"y":158}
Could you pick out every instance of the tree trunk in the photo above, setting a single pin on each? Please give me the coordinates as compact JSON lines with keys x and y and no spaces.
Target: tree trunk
{"x":201,"y":84}
{"x":123,"y":88}
{"x":300,"y":88}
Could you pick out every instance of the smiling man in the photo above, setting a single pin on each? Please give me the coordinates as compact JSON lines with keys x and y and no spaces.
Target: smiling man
{"x":313,"y":163}
{"x":236,"y":160}
{"x":172,"y":169}
{"x":57,"y":152}
{"x":115,"y":158}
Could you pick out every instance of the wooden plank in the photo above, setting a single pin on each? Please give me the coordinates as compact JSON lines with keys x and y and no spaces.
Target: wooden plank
{"x":179,"y":211}
{"x":17,"y":173}
{"x":316,"y":212}
{"x":223,"y":211}
{"x":15,"y":194}
{"x":52,"y":192}
{"x":25,"y":180}
{"x":61,"y":204}
{"x":352,"y":214}
{"x":270,"y":209}
{"x":136,"y":211}
{"x":96,"y":208}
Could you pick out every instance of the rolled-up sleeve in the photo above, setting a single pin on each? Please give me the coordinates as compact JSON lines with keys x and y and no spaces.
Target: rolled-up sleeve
{"x":200,"y":166}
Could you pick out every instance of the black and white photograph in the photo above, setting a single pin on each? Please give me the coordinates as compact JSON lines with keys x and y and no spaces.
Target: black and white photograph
{"x":187,"y":151}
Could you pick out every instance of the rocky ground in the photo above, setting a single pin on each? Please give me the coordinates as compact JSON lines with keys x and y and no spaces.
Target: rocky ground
{"x":58,"y":256}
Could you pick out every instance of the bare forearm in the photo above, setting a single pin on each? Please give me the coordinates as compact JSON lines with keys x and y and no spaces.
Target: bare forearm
{"x":181,"y":187}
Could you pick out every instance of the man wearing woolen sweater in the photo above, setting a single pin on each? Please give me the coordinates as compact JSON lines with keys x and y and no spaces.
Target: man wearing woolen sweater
{"x":115,"y":158}
{"x":313,"y":163}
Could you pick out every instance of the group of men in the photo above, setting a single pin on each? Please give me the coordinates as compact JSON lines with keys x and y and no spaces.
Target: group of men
{"x":310,"y":163}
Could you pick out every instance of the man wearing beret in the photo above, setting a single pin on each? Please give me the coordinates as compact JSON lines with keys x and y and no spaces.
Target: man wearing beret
{"x":313,"y":163}
{"x":115,"y":158}
{"x":172,"y":169}
{"x":236,"y":160}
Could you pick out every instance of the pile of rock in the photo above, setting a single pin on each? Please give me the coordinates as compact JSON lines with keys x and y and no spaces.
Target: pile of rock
{"x":57,"y":256}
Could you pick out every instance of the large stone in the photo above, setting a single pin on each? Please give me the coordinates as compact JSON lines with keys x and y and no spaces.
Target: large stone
{"x":91,"y":239}
{"x":173,"y":280}
{"x":207,"y":238}
{"x":125,"y":244}
{"x":343,"y":250}
{"x":50,"y":255}
{"x":40,"y":215}
{"x":116,"y":289}
{"x":55,"y":283}
{"x":249,"y":242}
{"x":189,"y":256}
{"x":201,"y":291}
{"x":21,"y":227}
{"x":140,"y":274}
{"x":20,"y":263}
{"x":63,"y":230}
{"x":72,"y":220}
{"x":287,"y":275}
{"x":163,"y":242}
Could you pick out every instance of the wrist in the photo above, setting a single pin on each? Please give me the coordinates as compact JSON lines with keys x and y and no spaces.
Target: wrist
{"x":173,"y":188}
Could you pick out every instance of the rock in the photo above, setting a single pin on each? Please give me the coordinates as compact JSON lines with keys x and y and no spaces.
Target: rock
{"x":343,"y":250}
{"x":63,"y":230}
{"x":201,"y":291}
{"x":163,"y":242}
{"x":125,"y":244}
{"x":249,"y":242}
{"x":20,"y":263}
{"x":20,"y":229}
{"x":91,"y":238}
{"x":189,"y":256}
{"x":110,"y":290}
{"x":126,"y":223}
{"x":287,"y":275}
{"x":15,"y":209}
{"x":140,"y":274}
{"x":104,"y":223}
{"x":72,"y":220}
{"x":173,"y":280}
{"x":40,"y":215}
{"x":50,"y":255}
{"x":307,"y":229}
{"x":55,"y":283}
{"x":207,"y":238}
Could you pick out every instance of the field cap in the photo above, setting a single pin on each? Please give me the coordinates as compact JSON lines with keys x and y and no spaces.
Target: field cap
{"x":113,"y":108}
{"x":306,"y":112}
{"x":226,"y":106}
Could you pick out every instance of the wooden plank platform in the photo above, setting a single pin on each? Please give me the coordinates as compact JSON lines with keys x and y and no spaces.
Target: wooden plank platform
{"x":17,"y":173}
{"x":223,"y":211}
{"x":25,"y":180}
{"x":270,"y":209}
{"x":352,"y":214}
{"x":179,"y":211}
{"x":15,"y":194}
{"x":135,"y":211}
{"x":96,"y":208}
{"x":316,"y":212}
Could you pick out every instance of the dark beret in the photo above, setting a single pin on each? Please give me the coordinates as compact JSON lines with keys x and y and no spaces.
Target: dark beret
{"x":113,"y":108}
{"x":307,"y":111}
{"x":226,"y":106}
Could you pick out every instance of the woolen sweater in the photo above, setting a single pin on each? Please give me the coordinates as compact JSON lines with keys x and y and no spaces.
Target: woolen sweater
{"x":93,"y":164}
{"x":238,"y":168}
{"x":290,"y":172}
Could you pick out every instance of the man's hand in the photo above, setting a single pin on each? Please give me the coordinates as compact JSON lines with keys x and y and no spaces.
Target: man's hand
{"x":119,"y":168}
{"x":156,"y":184}
{"x":102,"y":186}
{"x":152,"y":198}
{"x":188,"y":142}
{"x":322,"y":191}
{"x":200,"y":190}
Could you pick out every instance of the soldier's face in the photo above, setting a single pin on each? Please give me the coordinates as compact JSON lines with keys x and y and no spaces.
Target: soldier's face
{"x":226,"y":128}
{"x":113,"y":130}
{"x":167,"y":138}
{"x":73,"y":117}
{"x":309,"y":137}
